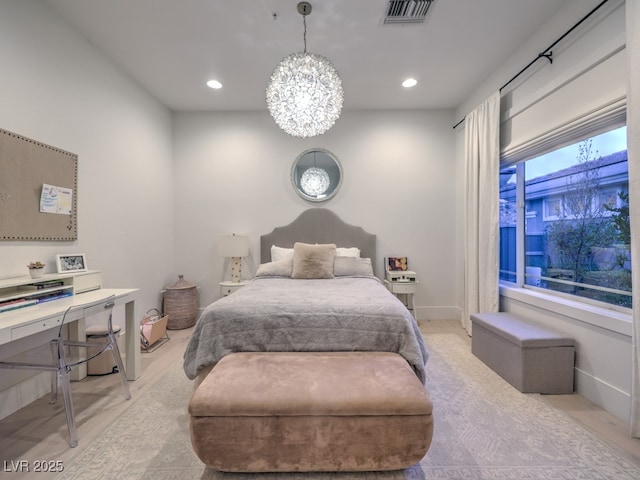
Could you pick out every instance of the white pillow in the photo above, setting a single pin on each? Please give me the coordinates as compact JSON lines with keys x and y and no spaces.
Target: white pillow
{"x":281,"y":268}
{"x":352,"y":267}
{"x":280,"y":253}
{"x":347,"y":252}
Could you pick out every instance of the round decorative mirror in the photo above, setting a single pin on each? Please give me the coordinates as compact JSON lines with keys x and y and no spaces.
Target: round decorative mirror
{"x":316,"y":175}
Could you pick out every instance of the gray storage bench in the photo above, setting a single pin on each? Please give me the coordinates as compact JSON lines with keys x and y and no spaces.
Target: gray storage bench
{"x":530,"y":357}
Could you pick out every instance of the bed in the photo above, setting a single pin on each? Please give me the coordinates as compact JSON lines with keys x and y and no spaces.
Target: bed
{"x":319,"y":294}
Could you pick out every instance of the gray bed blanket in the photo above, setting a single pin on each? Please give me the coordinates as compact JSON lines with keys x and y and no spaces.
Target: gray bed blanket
{"x":283,"y":314}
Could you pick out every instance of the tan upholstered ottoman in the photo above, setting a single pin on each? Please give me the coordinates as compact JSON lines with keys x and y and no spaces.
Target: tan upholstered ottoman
{"x":295,"y":412}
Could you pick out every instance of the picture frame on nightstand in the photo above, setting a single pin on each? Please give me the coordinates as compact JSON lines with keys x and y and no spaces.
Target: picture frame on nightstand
{"x":395,"y":264}
{"x":397,"y":270}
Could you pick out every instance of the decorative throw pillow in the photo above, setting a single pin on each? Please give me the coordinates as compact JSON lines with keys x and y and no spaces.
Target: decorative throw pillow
{"x":280,"y":253}
{"x":281,"y":268}
{"x":347,"y":252}
{"x":313,"y":261}
{"x":352,"y":266}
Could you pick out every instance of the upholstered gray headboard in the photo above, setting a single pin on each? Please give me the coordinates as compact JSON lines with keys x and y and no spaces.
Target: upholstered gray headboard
{"x":319,"y":225}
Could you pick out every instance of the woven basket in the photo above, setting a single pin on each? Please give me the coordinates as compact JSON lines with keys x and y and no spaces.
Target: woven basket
{"x":181,"y":304}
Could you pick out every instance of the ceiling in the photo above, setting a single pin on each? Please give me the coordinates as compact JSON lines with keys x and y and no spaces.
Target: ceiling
{"x":172,"y":47}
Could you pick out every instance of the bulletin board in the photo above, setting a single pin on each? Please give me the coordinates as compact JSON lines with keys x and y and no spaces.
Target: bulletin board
{"x":38,"y":190}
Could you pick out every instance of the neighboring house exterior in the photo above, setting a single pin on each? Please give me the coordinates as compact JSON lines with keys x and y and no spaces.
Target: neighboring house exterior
{"x":546,"y":202}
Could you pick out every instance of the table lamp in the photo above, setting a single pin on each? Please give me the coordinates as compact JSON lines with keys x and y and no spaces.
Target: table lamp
{"x":235,"y":247}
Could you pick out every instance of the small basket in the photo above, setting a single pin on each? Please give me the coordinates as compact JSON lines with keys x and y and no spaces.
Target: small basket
{"x":153,"y":330}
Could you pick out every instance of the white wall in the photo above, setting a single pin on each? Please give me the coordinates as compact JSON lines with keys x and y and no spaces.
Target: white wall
{"x":603,"y":361}
{"x":229,"y":173}
{"x":57,"y":89}
{"x":232,"y":174}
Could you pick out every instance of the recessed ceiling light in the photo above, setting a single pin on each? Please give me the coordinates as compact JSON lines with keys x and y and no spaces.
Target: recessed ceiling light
{"x":214,"y":84}
{"x":409,"y":82}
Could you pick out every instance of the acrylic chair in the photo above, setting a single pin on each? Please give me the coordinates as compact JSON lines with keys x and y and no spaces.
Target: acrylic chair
{"x":65,"y":354}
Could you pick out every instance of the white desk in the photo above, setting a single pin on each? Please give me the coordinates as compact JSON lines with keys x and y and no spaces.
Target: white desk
{"x":27,"y":321}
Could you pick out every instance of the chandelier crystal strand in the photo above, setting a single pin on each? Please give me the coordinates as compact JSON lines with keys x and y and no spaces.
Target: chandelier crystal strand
{"x":305,"y":95}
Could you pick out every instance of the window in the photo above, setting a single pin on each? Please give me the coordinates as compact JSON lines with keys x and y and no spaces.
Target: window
{"x":553,"y":207}
{"x":574,"y":227}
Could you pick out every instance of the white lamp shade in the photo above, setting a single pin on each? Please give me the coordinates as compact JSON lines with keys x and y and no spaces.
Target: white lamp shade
{"x":233,"y":245}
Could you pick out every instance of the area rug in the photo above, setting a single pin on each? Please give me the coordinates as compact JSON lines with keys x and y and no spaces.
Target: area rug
{"x":484,"y":429}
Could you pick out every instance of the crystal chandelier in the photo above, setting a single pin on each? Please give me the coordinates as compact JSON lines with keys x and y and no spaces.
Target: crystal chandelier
{"x":315,"y":181}
{"x":304,"y":95}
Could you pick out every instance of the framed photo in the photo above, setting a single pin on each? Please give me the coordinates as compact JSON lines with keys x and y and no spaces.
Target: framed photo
{"x":396,"y":264}
{"x":73,"y":262}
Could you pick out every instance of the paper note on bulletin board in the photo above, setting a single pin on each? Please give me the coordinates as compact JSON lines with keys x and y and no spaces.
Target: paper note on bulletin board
{"x":56,"y":200}
{"x":26,"y":167}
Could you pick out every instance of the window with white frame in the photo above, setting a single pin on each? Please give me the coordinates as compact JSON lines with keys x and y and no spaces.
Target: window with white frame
{"x":553,"y":207}
{"x":572,"y":226}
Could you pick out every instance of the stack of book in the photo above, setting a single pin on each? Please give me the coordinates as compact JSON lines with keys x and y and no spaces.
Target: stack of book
{"x":50,"y":291}
{"x":33,"y":287}
{"x":53,"y":296}
{"x":17,"y":303}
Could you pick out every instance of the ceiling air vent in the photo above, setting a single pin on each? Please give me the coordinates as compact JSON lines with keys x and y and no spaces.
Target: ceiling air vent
{"x":407,"y":11}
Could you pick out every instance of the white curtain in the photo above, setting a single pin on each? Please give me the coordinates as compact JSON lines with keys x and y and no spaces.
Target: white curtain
{"x":633,"y":150}
{"x":482,"y":168}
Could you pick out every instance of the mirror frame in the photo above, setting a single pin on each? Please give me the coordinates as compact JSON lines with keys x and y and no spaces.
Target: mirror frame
{"x":298,"y":188}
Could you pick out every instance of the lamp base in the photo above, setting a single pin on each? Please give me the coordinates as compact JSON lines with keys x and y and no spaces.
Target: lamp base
{"x":236,"y":269}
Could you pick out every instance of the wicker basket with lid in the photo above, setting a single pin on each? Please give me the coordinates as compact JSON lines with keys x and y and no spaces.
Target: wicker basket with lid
{"x":181,"y":304}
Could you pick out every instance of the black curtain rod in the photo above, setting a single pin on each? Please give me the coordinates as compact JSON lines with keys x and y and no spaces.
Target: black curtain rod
{"x":547,"y":52}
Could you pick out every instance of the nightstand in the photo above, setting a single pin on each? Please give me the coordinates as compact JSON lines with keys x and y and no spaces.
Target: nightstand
{"x":404,"y":289}
{"x":227,"y":288}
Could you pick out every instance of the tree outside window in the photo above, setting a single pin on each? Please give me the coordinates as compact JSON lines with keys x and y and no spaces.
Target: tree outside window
{"x":576,"y":227}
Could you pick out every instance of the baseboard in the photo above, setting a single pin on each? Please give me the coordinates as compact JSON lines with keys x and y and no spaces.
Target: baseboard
{"x":22,"y":394}
{"x":606,"y":396}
